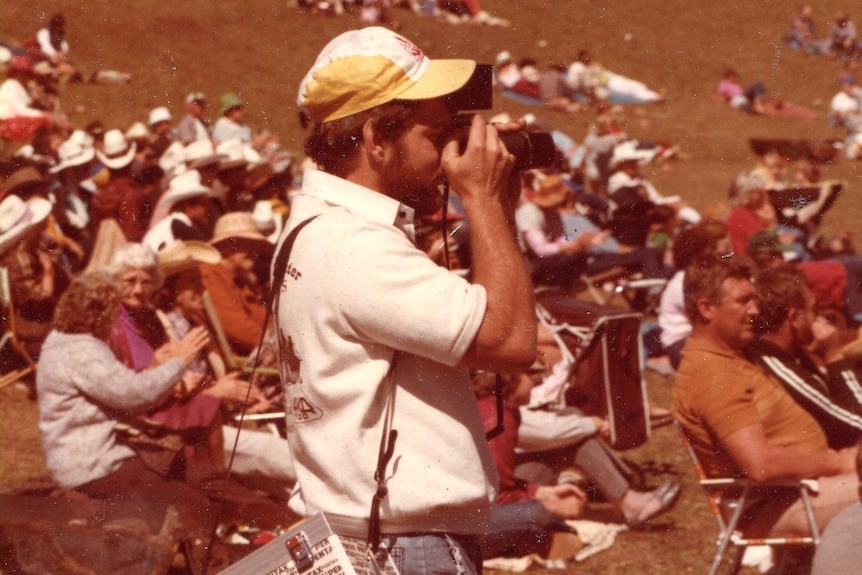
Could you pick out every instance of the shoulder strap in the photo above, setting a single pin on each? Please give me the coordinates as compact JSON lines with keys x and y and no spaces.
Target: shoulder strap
{"x":280,"y":265}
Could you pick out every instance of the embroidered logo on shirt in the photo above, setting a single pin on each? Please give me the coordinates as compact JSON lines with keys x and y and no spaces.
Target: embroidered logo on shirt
{"x":298,"y":408}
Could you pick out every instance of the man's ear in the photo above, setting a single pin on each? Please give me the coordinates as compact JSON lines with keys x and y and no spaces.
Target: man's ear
{"x":373,"y":145}
{"x":793,"y":315}
{"x":706,"y":309}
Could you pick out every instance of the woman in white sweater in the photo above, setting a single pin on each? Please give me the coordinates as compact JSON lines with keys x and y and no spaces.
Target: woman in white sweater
{"x":81,"y":389}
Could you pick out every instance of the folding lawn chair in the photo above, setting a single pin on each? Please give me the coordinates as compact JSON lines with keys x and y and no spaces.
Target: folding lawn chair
{"x":604,"y":346}
{"x":9,"y":342}
{"x":729,"y":497}
{"x":234,"y":362}
{"x":804,"y":206}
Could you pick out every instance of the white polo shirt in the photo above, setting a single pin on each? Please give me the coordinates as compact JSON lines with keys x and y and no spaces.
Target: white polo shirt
{"x":356,"y":290}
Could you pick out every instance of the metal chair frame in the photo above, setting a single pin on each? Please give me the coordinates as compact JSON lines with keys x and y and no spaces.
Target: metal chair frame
{"x":9,"y":336}
{"x":717,"y":493}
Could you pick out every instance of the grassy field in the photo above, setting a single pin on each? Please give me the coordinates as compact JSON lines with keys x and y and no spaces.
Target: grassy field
{"x":261,"y":49}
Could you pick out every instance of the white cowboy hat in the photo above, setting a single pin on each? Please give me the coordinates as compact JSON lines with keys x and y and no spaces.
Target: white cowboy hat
{"x":185,"y":186}
{"x":202,"y":153}
{"x":238,"y":154}
{"x":172,"y":160}
{"x":17,"y":217}
{"x":72,"y":153}
{"x":116,"y":152}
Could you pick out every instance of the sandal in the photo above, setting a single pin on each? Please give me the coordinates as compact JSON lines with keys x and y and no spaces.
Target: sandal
{"x":666,"y":494}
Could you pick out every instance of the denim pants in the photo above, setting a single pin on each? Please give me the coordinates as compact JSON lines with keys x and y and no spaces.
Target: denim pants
{"x":434,"y":553}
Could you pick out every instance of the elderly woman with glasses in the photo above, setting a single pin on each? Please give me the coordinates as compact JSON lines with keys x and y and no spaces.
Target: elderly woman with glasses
{"x":196,"y":406}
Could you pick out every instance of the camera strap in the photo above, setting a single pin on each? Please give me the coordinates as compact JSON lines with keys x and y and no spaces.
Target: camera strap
{"x":279,"y":268}
{"x":389,"y":435}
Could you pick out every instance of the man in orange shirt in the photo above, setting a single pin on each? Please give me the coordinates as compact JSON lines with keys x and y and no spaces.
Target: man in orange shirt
{"x":741,"y":420}
{"x":235,"y":285}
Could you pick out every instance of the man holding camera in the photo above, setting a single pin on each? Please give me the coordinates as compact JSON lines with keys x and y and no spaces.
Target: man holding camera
{"x":376,"y":337}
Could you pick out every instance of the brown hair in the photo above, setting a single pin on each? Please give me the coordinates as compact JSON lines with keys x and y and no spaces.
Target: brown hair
{"x":704,"y":279}
{"x":89,"y":305}
{"x":779,"y":289}
{"x":697,"y":241}
{"x":333,"y":146}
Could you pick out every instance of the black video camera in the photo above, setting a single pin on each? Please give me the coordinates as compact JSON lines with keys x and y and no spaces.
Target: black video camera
{"x":531,"y":149}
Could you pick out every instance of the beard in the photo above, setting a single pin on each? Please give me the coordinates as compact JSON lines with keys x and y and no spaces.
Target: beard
{"x":424,"y":202}
{"x":417,"y":190}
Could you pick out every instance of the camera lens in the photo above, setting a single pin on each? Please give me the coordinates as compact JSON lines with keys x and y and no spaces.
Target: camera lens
{"x":531,"y":149}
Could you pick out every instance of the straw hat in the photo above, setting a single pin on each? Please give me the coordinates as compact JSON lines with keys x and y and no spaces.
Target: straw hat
{"x":238,"y":229}
{"x":72,"y":153}
{"x":183,"y":255}
{"x":116,"y":152}
{"x":24,"y":180}
{"x":551,"y":192}
{"x":18,"y":216}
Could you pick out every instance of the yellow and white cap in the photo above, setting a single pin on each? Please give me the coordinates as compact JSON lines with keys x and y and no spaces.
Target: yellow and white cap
{"x":362,"y":69}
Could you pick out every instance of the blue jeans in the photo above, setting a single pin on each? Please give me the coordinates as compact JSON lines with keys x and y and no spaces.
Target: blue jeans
{"x":434,"y":553}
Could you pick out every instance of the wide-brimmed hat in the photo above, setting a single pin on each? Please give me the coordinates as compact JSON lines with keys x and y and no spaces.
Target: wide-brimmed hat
{"x":237,"y":154}
{"x":550,"y":192}
{"x":237,"y":228}
{"x":185,"y":186}
{"x":173,"y":159}
{"x":362,"y":69}
{"x":72,"y":153}
{"x":23,"y":180}
{"x":183,"y":255}
{"x":116,"y":152}
{"x":202,"y":153}
{"x":18,"y":216}
{"x":229,"y":101}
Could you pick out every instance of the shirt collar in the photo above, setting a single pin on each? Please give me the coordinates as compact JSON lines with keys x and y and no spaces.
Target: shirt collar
{"x":359,"y":200}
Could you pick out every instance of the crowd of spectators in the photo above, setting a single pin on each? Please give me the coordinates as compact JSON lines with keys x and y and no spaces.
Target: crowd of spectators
{"x":162,"y":233}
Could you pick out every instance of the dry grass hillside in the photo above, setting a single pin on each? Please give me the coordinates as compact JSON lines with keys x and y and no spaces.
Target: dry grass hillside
{"x":261,"y":48}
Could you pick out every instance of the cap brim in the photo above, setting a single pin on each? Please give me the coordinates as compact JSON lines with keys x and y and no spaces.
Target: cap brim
{"x":442,"y":78}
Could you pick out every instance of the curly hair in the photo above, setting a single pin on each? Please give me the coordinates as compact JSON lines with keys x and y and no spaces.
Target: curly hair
{"x":89,"y":305}
{"x":333,"y":146}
